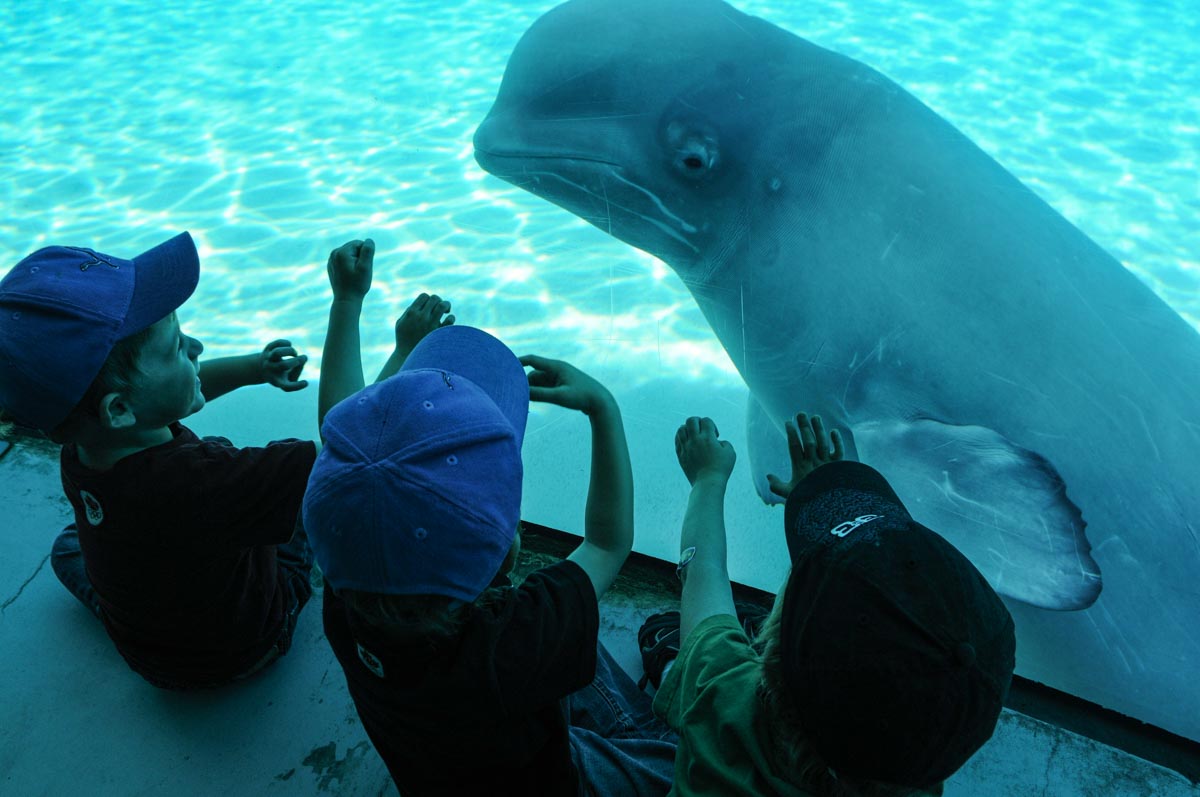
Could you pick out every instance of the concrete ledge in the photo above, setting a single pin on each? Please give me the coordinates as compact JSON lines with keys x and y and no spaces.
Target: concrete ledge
{"x":74,"y":719}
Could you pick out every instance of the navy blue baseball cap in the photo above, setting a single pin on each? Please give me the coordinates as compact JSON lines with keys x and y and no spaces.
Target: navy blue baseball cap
{"x":897,"y":653}
{"x":417,"y":490}
{"x":63,"y":308}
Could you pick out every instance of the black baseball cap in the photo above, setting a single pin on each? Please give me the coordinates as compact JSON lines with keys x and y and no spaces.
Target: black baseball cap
{"x":897,"y":653}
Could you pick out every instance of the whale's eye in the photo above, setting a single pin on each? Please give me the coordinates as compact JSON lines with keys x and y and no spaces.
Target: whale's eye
{"x":696,"y":157}
{"x":694,"y":149}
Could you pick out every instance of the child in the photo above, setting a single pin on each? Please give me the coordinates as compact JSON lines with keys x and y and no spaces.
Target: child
{"x":183,"y":547}
{"x":884,"y":661}
{"x":464,"y":684}
{"x":174,"y":543}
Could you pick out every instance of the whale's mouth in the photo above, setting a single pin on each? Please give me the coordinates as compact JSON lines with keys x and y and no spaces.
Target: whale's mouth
{"x":503,"y":140}
{"x":580,"y":183}
{"x":664,"y":221}
{"x":498,"y":156}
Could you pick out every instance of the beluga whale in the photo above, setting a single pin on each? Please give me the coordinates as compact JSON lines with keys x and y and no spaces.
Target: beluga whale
{"x":858,"y":257}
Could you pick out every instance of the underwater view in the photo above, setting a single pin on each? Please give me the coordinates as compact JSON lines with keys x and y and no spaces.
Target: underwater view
{"x":995,"y":363}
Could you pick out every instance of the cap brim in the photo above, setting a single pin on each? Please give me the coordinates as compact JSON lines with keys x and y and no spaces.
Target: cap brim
{"x":165,"y":277}
{"x":475,"y":355}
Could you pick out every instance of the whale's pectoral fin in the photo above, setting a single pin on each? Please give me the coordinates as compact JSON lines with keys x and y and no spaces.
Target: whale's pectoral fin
{"x":768,"y":449}
{"x":1005,"y":507}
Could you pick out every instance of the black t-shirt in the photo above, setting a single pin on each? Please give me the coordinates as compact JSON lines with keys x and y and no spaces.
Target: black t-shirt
{"x":482,"y":715}
{"x":179,"y":544}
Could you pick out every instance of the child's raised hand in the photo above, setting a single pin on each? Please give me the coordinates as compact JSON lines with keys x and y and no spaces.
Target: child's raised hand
{"x":701,"y":454}
{"x":350,"y":268}
{"x":557,"y":382}
{"x":422,"y":317}
{"x":281,"y":366}
{"x":808,"y":450}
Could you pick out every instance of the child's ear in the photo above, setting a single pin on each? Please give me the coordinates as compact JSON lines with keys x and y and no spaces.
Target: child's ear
{"x":115,"y":412}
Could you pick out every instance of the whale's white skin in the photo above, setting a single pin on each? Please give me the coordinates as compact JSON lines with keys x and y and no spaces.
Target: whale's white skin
{"x":858,"y":257}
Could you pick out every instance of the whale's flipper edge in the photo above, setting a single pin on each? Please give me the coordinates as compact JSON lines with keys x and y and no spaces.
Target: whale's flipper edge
{"x":1005,"y":507}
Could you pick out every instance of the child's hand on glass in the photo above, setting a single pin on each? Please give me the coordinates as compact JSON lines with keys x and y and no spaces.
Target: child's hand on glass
{"x":808,"y":449}
{"x":423,"y":316}
{"x":558,"y":382}
{"x":349,"y":269}
{"x":701,"y":453}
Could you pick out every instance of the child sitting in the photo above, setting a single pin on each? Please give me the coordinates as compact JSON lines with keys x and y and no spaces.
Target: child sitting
{"x":883,"y":663}
{"x":184,"y":547}
{"x":464,"y":684}
{"x":180,"y":545}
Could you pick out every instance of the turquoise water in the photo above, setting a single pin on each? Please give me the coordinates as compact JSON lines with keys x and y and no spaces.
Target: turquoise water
{"x":274,"y":134}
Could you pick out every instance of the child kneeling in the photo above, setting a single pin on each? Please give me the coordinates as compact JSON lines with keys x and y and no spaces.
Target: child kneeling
{"x":882,"y":666}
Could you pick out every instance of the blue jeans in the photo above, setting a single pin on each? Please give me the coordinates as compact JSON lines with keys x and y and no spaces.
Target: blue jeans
{"x":294,"y":559}
{"x":67,"y":561}
{"x":617,"y":744}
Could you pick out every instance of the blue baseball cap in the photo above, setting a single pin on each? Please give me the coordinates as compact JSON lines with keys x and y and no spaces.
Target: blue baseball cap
{"x":417,"y":490}
{"x":63,"y":308}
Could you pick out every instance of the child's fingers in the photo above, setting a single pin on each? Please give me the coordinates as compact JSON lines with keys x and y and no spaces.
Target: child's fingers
{"x":807,"y":441}
{"x":776,"y":485}
{"x":448,"y":320}
{"x":818,"y":429}
{"x":553,"y":371}
{"x":535,"y":361}
{"x":539,"y":378}
{"x":345,"y":253}
{"x":366,"y":252}
{"x":793,"y":434}
{"x":426,"y":303}
{"x":288,"y":364}
{"x":838,"y":450}
{"x":430,"y":304}
{"x":436,"y":305}
{"x":708,"y":426}
{"x":278,"y":354}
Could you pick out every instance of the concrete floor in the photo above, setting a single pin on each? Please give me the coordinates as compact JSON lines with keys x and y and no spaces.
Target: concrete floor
{"x":75,"y":720}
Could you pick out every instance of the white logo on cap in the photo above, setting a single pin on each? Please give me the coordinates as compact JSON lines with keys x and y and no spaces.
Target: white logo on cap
{"x":92,"y":508}
{"x":842,"y":529}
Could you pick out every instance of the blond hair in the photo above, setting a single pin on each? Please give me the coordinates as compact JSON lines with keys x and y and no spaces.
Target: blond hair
{"x":423,"y":620}
{"x":791,"y":752}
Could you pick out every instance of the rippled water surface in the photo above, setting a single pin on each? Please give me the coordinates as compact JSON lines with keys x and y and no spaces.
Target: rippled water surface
{"x":274,"y":132}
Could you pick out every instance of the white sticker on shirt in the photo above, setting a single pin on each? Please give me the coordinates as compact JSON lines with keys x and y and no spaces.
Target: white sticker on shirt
{"x":369,"y":659}
{"x":92,"y":508}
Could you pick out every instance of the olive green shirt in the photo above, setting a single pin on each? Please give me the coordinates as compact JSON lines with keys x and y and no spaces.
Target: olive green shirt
{"x":708,"y":697}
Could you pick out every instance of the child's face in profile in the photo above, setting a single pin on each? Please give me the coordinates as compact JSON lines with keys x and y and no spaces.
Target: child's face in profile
{"x":166,"y":386}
